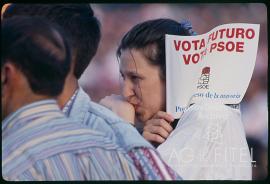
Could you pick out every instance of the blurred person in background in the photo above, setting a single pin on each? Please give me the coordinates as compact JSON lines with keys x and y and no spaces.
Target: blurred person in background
{"x":143,"y":70}
{"x":83,"y":30}
{"x":254,"y":108}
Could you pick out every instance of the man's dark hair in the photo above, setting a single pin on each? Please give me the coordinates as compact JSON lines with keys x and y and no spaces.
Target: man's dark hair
{"x":81,"y":26}
{"x":149,"y":37}
{"x":38,"y":49}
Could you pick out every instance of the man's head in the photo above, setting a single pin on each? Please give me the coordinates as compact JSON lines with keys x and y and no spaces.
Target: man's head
{"x":35,"y":60}
{"x":80,"y":25}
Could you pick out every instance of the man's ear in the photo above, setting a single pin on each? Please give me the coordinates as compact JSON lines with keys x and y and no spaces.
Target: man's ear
{"x":4,"y":79}
{"x":3,"y":75}
{"x":8,"y":74}
{"x":10,"y":80}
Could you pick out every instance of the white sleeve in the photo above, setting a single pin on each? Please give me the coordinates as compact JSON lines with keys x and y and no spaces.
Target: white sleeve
{"x":208,"y":143}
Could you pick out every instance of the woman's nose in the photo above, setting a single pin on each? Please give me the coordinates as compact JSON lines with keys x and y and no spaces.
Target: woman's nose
{"x":127,"y":90}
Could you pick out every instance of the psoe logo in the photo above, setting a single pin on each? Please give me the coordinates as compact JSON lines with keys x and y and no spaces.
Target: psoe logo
{"x":204,"y":78}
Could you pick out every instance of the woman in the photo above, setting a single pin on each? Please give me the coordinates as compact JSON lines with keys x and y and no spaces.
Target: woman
{"x":142,"y":67}
{"x":206,"y":132}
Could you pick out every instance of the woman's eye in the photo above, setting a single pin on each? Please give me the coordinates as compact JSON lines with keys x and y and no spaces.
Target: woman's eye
{"x":134,"y":78}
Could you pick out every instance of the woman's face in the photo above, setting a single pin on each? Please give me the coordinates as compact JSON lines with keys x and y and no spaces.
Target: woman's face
{"x":141,"y":84}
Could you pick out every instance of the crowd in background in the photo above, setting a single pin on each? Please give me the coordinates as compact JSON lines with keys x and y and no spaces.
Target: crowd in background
{"x":101,"y":78}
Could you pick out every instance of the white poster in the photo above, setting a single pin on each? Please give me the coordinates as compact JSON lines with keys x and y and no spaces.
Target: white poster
{"x":215,"y":66}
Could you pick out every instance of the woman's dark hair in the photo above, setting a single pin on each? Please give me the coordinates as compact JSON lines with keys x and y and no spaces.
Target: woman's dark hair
{"x":39,"y":50}
{"x":149,"y":37}
{"x":82,"y":28}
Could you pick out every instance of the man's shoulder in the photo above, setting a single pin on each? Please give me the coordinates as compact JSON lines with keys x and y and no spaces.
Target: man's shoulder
{"x":98,"y":117}
{"x":75,"y":132}
{"x":103,"y":112}
{"x":83,"y":104}
{"x":56,"y":136}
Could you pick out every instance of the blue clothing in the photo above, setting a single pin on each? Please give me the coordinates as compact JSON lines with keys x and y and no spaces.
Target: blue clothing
{"x":144,"y":156}
{"x":100,"y":118}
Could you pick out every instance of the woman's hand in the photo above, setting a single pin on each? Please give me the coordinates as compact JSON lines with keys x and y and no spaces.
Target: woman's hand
{"x":118,"y":105}
{"x":157,"y":129}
